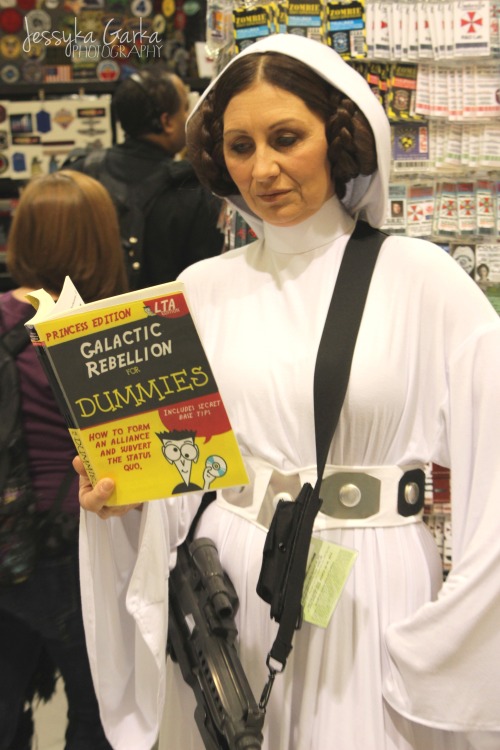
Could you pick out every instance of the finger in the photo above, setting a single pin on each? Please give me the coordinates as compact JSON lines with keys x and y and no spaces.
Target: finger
{"x":94,"y":498}
{"x":85,"y":483}
{"x":78,"y":465}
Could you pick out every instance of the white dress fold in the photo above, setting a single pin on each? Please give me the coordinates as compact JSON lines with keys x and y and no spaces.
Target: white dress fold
{"x":406,"y":663}
{"x":124,"y":568}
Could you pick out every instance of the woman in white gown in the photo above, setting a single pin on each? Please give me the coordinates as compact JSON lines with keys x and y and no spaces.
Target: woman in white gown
{"x":405,"y":663}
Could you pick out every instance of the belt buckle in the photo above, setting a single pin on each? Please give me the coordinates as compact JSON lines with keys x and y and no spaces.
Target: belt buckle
{"x":350,"y":495}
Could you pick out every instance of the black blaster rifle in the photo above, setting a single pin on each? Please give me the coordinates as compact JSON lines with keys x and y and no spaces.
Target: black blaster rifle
{"x":201,"y":638}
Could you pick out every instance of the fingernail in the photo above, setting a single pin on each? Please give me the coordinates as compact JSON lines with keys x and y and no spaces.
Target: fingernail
{"x":107,"y":485}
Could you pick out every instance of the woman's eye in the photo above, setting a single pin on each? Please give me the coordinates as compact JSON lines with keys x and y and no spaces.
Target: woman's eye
{"x":240,"y":148}
{"x":284,"y":141}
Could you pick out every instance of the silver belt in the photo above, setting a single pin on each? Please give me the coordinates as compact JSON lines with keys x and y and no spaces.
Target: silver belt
{"x":352,"y":496}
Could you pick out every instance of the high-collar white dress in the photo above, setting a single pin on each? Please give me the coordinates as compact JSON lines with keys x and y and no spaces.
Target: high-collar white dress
{"x":406,"y":663}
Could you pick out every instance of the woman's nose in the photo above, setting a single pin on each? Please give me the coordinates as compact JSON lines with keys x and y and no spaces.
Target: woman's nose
{"x":265,"y":165}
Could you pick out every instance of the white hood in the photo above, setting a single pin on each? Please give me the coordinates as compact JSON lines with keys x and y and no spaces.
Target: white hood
{"x":365,"y":197}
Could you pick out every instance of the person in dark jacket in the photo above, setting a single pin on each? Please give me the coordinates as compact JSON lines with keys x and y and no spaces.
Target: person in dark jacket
{"x":181,"y":224}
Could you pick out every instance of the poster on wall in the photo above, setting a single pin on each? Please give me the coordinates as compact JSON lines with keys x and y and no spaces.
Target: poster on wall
{"x":61,"y":41}
{"x":36,"y":136}
{"x":488,"y":272}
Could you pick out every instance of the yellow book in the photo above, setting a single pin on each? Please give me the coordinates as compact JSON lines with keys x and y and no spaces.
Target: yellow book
{"x":138,"y":394}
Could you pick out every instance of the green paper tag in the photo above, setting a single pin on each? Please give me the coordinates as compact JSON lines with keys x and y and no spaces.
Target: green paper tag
{"x":328,"y":568}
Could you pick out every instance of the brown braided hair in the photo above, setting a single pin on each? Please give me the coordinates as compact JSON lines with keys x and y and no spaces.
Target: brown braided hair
{"x":351,"y":145}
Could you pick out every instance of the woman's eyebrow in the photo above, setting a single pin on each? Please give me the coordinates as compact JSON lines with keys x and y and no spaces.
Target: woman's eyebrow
{"x":287,"y":121}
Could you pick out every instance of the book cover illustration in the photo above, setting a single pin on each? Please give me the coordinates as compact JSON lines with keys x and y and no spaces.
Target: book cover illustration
{"x":139,"y":395}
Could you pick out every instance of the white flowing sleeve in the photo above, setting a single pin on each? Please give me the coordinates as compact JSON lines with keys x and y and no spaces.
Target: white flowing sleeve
{"x":445,"y":659}
{"x":124,"y":569}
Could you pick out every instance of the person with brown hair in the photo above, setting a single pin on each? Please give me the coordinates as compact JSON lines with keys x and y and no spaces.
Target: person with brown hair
{"x":64,"y":224}
{"x":295,"y":139}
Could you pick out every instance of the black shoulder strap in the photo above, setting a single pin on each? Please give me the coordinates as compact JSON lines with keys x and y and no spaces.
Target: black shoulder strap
{"x":133,"y":200}
{"x":133,"y":193}
{"x":14,"y":341}
{"x":207,"y":498}
{"x":94,"y":162}
{"x":336,"y":347}
{"x":331,"y":376}
{"x":16,"y":338}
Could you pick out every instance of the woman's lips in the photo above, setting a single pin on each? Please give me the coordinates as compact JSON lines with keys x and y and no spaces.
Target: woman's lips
{"x":270,"y":197}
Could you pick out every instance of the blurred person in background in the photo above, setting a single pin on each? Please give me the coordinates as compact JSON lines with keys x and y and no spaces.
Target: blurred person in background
{"x":65,"y":224}
{"x":181,"y":217}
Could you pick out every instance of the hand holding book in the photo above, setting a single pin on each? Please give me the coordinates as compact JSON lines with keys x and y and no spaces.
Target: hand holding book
{"x":137,"y":391}
{"x":95,"y":499}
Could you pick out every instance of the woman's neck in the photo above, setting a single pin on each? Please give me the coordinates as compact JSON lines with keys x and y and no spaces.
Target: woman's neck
{"x":330,"y":222}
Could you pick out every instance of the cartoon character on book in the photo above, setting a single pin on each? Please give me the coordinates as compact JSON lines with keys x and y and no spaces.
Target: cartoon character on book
{"x":180,"y":449}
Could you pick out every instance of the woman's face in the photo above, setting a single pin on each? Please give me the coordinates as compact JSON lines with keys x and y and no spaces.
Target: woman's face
{"x":275,"y":150}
